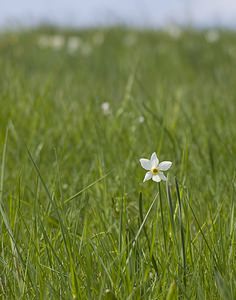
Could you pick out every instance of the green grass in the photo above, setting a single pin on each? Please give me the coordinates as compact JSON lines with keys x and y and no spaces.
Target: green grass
{"x":76,"y":221}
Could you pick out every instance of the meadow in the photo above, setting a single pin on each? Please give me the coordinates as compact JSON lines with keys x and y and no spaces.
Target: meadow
{"x":78,"y":109}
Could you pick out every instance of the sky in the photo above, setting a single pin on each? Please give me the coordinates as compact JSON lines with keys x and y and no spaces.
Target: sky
{"x":141,"y":13}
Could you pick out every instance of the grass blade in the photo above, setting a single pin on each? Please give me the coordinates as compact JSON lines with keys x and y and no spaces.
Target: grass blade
{"x":181,"y":231}
{"x":139,"y":231}
{"x":146,"y":234}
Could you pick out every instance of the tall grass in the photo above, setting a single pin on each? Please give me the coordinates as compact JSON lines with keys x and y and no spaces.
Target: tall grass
{"x":76,"y":221}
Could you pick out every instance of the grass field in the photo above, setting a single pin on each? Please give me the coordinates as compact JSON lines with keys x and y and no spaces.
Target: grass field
{"x":76,"y":220}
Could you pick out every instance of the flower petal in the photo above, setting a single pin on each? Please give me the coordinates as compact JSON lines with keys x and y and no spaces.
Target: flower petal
{"x":148,"y":176}
{"x":162,"y":176}
{"x":156,"y":178}
{"x":164,"y":165}
{"x":154,"y":160}
{"x":146,"y":163}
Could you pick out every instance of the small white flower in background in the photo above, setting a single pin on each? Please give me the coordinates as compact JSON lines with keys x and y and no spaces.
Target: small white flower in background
{"x":51,"y":41}
{"x":154,"y":168}
{"x":65,"y":186}
{"x":73,"y":44}
{"x":141,"y":119}
{"x":105,"y":106}
{"x":174,"y":31}
{"x":57,"y":41}
{"x":212,"y":36}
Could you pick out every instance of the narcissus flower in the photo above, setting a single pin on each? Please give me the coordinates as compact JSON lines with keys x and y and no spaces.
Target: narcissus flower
{"x":154,"y":168}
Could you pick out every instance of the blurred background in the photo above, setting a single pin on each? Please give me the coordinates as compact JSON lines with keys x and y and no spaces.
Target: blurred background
{"x":141,"y":13}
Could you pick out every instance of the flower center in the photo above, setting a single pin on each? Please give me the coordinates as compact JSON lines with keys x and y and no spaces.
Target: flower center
{"x":154,"y":171}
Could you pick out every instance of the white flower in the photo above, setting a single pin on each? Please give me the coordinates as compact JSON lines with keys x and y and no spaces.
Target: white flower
{"x":154,"y":168}
{"x":51,"y":41}
{"x":105,"y":106}
{"x":174,"y":31}
{"x":212,"y":36}
{"x":57,"y":41}
{"x":141,"y":119}
{"x":73,"y":44}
